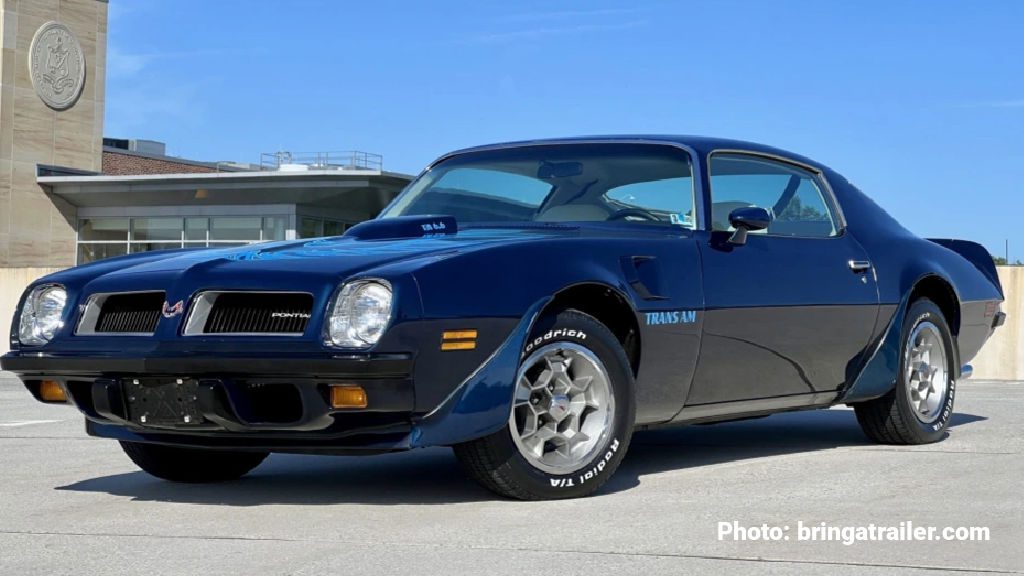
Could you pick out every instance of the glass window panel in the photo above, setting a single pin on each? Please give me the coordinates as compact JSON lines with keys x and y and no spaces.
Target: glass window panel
{"x":235,"y":228}
{"x":149,"y":246}
{"x":311,"y":228}
{"x":557,"y":183}
{"x":195,"y":228}
{"x":91,"y":252}
{"x":156,"y":229}
{"x":227,"y":244}
{"x":103,"y":229}
{"x":333,"y":228}
{"x":790,"y":194}
{"x":273,"y":228}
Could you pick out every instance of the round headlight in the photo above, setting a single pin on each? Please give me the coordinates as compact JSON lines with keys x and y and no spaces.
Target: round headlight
{"x":41,"y":315}
{"x":360,"y":314}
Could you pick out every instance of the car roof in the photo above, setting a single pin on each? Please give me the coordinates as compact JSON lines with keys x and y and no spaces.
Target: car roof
{"x":701,"y":144}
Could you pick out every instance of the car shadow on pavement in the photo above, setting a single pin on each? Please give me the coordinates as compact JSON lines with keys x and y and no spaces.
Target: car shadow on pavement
{"x":432,"y":476}
{"x":660,"y":450}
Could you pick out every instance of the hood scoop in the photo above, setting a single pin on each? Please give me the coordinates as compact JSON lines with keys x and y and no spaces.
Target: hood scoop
{"x":404,"y":227}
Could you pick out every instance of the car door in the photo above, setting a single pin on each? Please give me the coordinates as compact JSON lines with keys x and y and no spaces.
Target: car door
{"x":790,"y":311}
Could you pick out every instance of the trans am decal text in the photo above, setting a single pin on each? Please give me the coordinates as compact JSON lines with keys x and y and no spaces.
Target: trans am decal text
{"x":671,"y":317}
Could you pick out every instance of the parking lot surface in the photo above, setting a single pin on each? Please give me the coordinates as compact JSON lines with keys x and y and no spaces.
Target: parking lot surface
{"x":70,"y":504}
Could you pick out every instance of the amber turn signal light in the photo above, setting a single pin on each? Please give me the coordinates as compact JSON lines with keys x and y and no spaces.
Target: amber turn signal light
{"x":458,"y":340}
{"x":347,"y":396}
{"x":50,"y":391}
{"x":464,"y":345}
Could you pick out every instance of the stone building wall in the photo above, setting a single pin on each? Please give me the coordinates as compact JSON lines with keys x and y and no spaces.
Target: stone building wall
{"x":64,"y":63}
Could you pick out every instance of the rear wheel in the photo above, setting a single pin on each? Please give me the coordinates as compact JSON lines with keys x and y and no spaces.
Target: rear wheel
{"x":918,"y":409}
{"x":191,"y":464}
{"x":572,"y":415}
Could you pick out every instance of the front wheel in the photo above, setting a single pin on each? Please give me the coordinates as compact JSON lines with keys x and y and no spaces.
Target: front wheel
{"x":918,"y":409}
{"x":571,"y":419}
{"x":191,"y":464}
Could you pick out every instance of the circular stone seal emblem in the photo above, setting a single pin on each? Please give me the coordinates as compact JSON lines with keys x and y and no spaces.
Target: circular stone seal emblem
{"x":57,"y":65}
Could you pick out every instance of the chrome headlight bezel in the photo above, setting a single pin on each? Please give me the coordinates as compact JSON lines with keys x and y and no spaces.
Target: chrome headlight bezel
{"x":42,"y":314}
{"x":346,"y":327}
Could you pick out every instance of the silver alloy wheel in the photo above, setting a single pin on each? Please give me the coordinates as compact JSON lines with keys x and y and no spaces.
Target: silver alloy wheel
{"x":926,"y":371}
{"x":563,"y":409}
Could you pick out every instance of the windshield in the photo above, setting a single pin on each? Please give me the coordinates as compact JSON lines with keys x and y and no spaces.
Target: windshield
{"x":635,"y":183}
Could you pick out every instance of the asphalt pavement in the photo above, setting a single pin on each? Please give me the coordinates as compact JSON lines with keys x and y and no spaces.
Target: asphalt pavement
{"x":70,"y":504}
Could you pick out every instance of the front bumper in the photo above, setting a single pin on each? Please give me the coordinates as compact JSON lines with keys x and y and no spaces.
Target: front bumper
{"x":365,"y":365}
{"x":258,"y":403}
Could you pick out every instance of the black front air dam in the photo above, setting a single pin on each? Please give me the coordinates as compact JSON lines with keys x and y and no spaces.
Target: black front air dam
{"x":268,"y":403}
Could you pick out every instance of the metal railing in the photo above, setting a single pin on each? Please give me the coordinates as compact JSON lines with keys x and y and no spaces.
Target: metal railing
{"x":346,"y":160}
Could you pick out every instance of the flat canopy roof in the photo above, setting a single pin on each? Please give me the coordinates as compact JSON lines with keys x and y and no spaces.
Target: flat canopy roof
{"x":365,"y":189}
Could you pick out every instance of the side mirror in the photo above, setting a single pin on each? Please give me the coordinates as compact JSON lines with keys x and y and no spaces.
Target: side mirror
{"x":746,"y":219}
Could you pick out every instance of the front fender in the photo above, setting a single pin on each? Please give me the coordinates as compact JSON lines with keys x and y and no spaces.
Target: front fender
{"x":480,"y":405}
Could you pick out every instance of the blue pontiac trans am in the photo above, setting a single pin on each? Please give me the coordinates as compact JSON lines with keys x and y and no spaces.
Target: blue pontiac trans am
{"x":529,"y":304}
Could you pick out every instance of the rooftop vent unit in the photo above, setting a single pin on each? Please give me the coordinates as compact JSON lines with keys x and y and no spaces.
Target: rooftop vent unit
{"x":150,"y":147}
{"x":284,"y":161}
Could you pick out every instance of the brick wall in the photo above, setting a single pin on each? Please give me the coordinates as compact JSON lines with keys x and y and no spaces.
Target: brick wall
{"x":122,"y":164}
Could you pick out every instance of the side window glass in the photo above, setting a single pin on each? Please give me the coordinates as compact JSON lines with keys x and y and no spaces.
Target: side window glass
{"x":791,"y":195}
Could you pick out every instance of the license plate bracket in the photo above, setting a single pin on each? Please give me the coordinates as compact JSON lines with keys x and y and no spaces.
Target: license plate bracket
{"x":163,"y":401}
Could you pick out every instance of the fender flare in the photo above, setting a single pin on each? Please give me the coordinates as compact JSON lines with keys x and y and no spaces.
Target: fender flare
{"x":881,"y":371}
{"x":480,"y":405}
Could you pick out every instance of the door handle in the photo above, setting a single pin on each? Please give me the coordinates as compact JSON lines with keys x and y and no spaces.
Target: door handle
{"x":859,"y":265}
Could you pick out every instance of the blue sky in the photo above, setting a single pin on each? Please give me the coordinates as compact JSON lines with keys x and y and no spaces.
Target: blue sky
{"x":920,"y":103}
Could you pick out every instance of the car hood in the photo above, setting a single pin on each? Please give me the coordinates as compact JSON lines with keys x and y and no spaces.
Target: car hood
{"x":284,"y":265}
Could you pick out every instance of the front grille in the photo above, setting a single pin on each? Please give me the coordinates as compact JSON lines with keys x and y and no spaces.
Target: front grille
{"x":255,"y":312}
{"x":134,"y":313}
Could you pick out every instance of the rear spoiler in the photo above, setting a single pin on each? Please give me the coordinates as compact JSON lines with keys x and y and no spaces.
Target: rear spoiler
{"x":974,"y":253}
